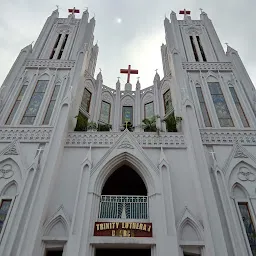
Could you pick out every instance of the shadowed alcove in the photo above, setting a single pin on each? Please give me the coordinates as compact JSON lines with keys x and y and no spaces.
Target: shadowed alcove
{"x":124,"y":181}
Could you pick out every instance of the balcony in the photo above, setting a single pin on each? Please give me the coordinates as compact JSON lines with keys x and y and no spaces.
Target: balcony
{"x":123,"y":207}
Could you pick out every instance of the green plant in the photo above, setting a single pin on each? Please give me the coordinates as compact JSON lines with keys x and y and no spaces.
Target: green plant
{"x":91,"y":126}
{"x":149,"y":124}
{"x":171,"y":122}
{"x":81,"y":123}
{"x":104,"y":127}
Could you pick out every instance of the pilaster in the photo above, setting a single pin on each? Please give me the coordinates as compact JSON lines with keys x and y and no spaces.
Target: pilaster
{"x":137,"y":107}
{"x":96,"y":113}
{"x":117,"y":108}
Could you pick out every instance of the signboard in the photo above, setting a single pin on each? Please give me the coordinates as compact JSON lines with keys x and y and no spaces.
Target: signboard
{"x":123,"y":229}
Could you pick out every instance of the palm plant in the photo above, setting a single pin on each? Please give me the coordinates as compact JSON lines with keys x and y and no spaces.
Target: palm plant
{"x":171,"y":123}
{"x":149,"y":124}
{"x":81,"y":123}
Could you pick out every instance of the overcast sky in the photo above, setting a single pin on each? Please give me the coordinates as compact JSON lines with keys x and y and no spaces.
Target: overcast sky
{"x":128,"y":32}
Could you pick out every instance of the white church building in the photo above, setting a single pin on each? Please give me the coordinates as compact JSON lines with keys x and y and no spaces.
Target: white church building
{"x":88,"y":170}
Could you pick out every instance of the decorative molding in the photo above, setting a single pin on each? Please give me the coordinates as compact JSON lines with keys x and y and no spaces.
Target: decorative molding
{"x":127,"y":101}
{"x":33,"y":134}
{"x":61,"y":64}
{"x":6,"y":172}
{"x":107,"y":97}
{"x":222,"y":66}
{"x":125,"y":144}
{"x":64,"y":29}
{"x":193,"y":30}
{"x":240,"y":154}
{"x":215,"y":137}
{"x":11,"y":151}
{"x":246,"y":175}
{"x":189,"y":22}
{"x":148,"y":89}
{"x":107,"y":139}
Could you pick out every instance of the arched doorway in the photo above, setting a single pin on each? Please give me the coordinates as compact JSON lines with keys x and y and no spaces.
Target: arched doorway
{"x":124,"y":196}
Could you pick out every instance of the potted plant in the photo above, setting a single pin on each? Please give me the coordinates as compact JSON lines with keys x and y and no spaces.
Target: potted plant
{"x":172,"y":123}
{"x":104,"y":127}
{"x":149,"y":124}
{"x":92,"y":127}
{"x":81,"y":123}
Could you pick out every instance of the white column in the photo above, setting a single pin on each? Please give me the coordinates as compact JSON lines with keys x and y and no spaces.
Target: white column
{"x":137,"y":108}
{"x":96,"y":114}
{"x":117,"y":107}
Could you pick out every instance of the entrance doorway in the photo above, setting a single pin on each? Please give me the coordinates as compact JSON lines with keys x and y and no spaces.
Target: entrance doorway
{"x":123,"y":252}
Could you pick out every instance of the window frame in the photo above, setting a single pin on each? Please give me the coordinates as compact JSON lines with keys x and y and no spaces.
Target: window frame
{"x":166,"y":114}
{"x":132,"y":119}
{"x":52,"y":244}
{"x":81,"y":105}
{"x":250,"y":207}
{"x":7,"y":219}
{"x":150,"y":102}
{"x":109,"y":114}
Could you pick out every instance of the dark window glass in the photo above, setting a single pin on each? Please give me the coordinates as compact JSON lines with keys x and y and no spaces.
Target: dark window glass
{"x":167,"y":102}
{"x":86,"y":100}
{"x":52,"y":252}
{"x":239,"y":107}
{"x":194,"y":48}
{"x":4,"y":208}
{"x":249,"y":226}
{"x":149,"y":110}
{"x":35,"y":102}
{"x":105,"y":112}
{"x":220,"y":105}
{"x":203,"y":107}
{"x":55,"y":46}
{"x":201,"y":48}
{"x":127,"y":114}
{"x":51,"y":104}
{"x":63,"y":46}
{"x":16,"y":104}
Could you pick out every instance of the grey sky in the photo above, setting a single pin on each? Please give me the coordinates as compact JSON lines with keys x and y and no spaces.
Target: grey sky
{"x":137,"y":39}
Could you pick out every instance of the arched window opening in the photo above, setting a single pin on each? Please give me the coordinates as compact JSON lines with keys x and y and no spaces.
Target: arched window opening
{"x":124,"y":196}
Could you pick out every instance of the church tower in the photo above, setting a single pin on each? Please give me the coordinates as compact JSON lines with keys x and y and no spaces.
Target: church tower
{"x":86,"y":169}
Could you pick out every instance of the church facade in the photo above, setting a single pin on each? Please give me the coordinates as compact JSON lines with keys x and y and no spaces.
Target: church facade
{"x":88,"y":170}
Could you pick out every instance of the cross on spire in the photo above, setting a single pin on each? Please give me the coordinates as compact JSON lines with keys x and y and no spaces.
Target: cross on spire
{"x":129,"y":71}
{"x":185,"y":12}
{"x":74,"y":10}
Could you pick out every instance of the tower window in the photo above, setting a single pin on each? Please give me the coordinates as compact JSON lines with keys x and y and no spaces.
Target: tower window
{"x":4,"y":209}
{"x":55,"y":46}
{"x":203,"y":107}
{"x":220,"y":105}
{"x":201,"y":48}
{"x":51,"y":104}
{"x":194,"y":48}
{"x":35,"y":102}
{"x":86,"y":100}
{"x":16,"y":105}
{"x":149,"y":110}
{"x":167,"y":102}
{"x":248,"y":225}
{"x":63,"y":46}
{"x":105,"y":112}
{"x":127,"y":114}
{"x":239,"y":107}
{"x":54,"y":252}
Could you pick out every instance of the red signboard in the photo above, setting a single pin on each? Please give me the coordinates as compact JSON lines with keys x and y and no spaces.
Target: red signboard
{"x":123,"y":229}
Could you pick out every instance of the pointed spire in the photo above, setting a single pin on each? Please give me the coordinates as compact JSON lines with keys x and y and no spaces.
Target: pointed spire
{"x":92,"y":20}
{"x":166,"y":21}
{"x":55,"y":12}
{"x":230,"y":50}
{"x":138,"y":84}
{"x":162,"y":156}
{"x":27,"y":48}
{"x":157,"y":77}
{"x":118,"y":84}
{"x":99,"y":76}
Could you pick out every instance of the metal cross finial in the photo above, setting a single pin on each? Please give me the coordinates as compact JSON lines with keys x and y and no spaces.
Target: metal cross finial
{"x":201,"y":10}
{"x":226,"y":44}
{"x":156,"y":70}
{"x":118,"y":78}
{"x":138,"y":78}
{"x":57,"y":7}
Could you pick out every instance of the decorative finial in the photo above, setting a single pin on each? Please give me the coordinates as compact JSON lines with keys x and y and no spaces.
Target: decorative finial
{"x":32,"y":42}
{"x":118,"y":78}
{"x":57,"y":7}
{"x":156,"y":70}
{"x":201,"y":9}
{"x":138,"y":78}
{"x":100,"y":69}
{"x":226,"y":44}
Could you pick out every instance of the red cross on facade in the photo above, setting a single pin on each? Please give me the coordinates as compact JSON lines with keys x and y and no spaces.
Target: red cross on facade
{"x":74,"y":10}
{"x":184,"y":12}
{"x":129,"y":71}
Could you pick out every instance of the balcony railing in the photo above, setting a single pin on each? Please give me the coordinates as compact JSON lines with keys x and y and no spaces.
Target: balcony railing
{"x":123,"y":207}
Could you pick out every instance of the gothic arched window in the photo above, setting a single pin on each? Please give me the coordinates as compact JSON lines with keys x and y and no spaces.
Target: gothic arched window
{"x":35,"y":102}
{"x":220,"y":105}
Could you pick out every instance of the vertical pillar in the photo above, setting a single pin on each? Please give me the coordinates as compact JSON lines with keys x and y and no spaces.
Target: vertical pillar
{"x":96,"y":113}
{"x":156,"y":100}
{"x":137,"y":108}
{"x":117,"y":109}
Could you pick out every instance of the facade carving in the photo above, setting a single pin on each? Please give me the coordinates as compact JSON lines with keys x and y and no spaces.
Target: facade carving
{"x":62,"y":64}
{"x":6,"y":172}
{"x":221,"y":66}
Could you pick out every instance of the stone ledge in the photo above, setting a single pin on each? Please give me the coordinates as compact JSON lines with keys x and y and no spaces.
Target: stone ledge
{"x":224,"y":66}
{"x":228,"y":137}
{"x":107,"y":139}
{"x":62,"y":64}
{"x":25,"y":134}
